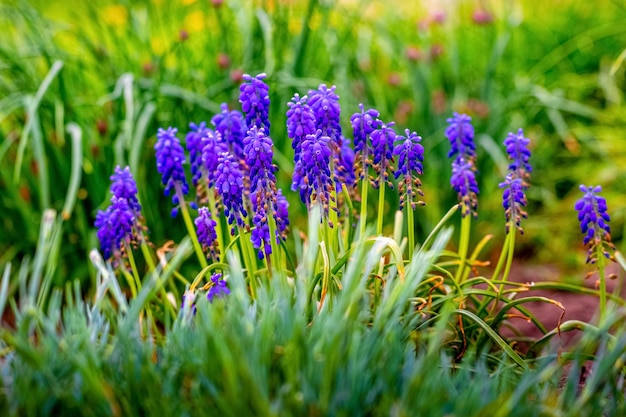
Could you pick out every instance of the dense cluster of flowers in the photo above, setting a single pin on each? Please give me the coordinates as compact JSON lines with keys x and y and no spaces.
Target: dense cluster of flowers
{"x":232,"y":128}
{"x":594,"y":222}
{"x":516,"y":181}
{"x":460,"y":133}
{"x":170,"y":157}
{"x":410,"y":154}
{"x":120,"y":222}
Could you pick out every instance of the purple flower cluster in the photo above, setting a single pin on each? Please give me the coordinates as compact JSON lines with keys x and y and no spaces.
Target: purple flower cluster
{"x":232,"y":127}
{"x":364,"y":124}
{"x":300,"y":123}
{"x":325,"y":105}
{"x":119,"y":223}
{"x":212,"y":149}
{"x":195,"y":141}
{"x":312,"y":176}
{"x":207,"y":235}
{"x":410,"y":154}
{"x":382,"y":151}
{"x":170,"y":157}
{"x":594,"y":221}
{"x":516,"y":182}
{"x":229,"y":185}
{"x":219,"y":289}
{"x":460,"y":133}
{"x":255,"y":101}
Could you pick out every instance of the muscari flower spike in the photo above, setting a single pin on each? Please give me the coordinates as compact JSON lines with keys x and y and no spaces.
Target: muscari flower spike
{"x":463,"y":181}
{"x":115,"y":225}
{"x":513,"y":201}
{"x":170,"y":157}
{"x":517,"y":149}
{"x":255,"y":101}
{"x":123,"y":185}
{"x":300,"y":123}
{"x":516,"y":182}
{"x":232,"y":127}
{"x":282,"y":214}
{"x":382,"y":150}
{"x":363,"y":124}
{"x":325,"y":105}
{"x":212,"y":149}
{"x":312,"y":176}
{"x":594,"y":221}
{"x":219,"y":289}
{"x":195,"y":141}
{"x":410,"y":154}
{"x":259,"y":150}
{"x":460,"y":133}
{"x":230,"y":186}
{"x":207,"y":236}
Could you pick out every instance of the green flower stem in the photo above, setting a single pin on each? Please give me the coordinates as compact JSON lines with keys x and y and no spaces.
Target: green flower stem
{"x":349,"y":235}
{"x":600,"y":264}
{"x":274,"y":258}
{"x":363,"y":217}
{"x":147,"y":255}
{"x":133,"y":266}
{"x":131,"y":283}
{"x":381,"y":207}
{"x":249,"y":259}
{"x":410,"y":226}
{"x":502,"y":258}
{"x":216,"y":216}
{"x":190,"y":228}
{"x":509,"y":257}
{"x":466,"y":223}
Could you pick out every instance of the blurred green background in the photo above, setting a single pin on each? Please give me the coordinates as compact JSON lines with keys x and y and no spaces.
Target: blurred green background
{"x":116,"y":71}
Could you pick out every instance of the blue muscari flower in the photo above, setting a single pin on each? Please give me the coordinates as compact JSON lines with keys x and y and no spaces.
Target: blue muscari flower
{"x":344,"y":171}
{"x":232,"y":127}
{"x":460,"y":133}
{"x":259,"y":150}
{"x":219,"y":288}
{"x":282,"y":213}
{"x":255,"y":101}
{"x":325,"y":105}
{"x":463,"y":180}
{"x":123,"y":185}
{"x":300,"y":123}
{"x":207,"y":235}
{"x":517,"y":149}
{"x":594,"y":220}
{"x":312,"y":176}
{"x":514,"y":198}
{"x":211,"y":151}
{"x":115,"y":225}
{"x":195,"y":140}
{"x":260,"y":235}
{"x":229,"y":185}
{"x":382,"y":150}
{"x":170,"y":157}
{"x":513,"y":201}
{"x":364,"y":124}
{"x":410,"y":154}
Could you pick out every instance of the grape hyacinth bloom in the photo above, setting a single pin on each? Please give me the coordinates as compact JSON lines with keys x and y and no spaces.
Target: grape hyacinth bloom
{"x":282,"y":214}
{"x":516,"y":182}
{"x":517,"y":149}
{"x":463,"y":181}
{"x":229,"y":185}
{"x":594,"y":221}
{"x":232,"y":128}
{"x":207,"y":236}
{"x":123,"y":185}
{"x":363,"y":124}
{"x":300,"y":123}
{"x":195,"y":140}
{"x":255,"y":101}
{"x":344,"y":171}
{"x":258,"y":150}
{"x":170,"y":157}
{"x":513,"y":201}
{"x":115,"y":225}
{"x":410,"y":154}
{"x":212,"y":149}
{"x":219,"y":289}
{"x":382,"y":150}
{"x":315,"y":184}
{"x":460,"y":133}
{"x":325,"y":105}
{"x":260,"y":235}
